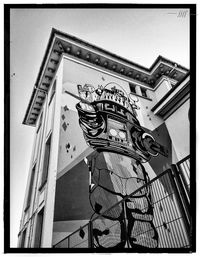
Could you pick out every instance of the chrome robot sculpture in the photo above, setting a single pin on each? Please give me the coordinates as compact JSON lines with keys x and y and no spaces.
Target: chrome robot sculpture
{"x":108,"y":119}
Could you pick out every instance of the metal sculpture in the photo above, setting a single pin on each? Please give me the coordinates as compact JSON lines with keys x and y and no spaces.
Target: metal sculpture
{"x":107,"y":116}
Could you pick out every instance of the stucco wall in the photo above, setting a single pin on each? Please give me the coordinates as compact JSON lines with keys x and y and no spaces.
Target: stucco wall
{"x":72,"y":186}
{"x":145,"y":115}
{"x":179,"y":129}
{"x":72,"y":142}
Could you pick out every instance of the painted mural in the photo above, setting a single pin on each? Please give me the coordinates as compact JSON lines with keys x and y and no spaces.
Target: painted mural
{"x":108,"y":119}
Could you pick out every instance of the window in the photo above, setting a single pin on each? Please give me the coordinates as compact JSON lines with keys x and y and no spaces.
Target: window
{"x":144,"y":92}
{"x":46,"y":162}
{"x":30,"y":190}
{"x":132,"y":88}
{"x":38,"y":231}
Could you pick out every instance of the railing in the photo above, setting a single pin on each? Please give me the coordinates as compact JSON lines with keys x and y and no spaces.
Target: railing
{"x":170,"y":221}
{"x":78,"y":239}
{"x":184,"y":170}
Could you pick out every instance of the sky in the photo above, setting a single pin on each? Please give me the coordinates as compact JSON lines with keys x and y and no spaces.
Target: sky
{"x":139,"y":35}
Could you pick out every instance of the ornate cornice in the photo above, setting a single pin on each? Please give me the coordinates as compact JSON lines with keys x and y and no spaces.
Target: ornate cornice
{"x":61,"y":43}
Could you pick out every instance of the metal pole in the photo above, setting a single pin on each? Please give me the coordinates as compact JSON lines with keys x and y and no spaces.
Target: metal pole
{"x":180,"y":204}
{"x":182,"y":194}
{"x":77,"y":97}
{"x":90,"y":235}
{"x":182,"y":174}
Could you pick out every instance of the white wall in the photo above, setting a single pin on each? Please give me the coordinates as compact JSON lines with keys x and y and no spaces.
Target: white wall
{"x":179,"y":129}
{"x":145,"y":115}
{"x":72,"y":136}
{"x":52,"y":171}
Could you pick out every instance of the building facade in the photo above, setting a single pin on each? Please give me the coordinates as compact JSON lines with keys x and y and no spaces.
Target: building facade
{"x":57,"y":200}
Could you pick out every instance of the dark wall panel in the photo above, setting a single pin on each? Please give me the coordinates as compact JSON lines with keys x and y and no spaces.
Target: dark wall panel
{"x":161,"y":163}
{"x":72,"y":195}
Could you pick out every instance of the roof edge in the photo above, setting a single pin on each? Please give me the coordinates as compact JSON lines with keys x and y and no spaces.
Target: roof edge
{"x":55,"y":32}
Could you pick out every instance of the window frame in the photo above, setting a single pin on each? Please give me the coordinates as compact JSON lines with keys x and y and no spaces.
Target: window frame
{"x":53,"y":91}
{"x":23,"y":238}
{"x":39,"y":228}
{"x":132,"y":86}
{"x":30,"y":188}
{"x":144,"y":91}
{"x":46,"y":161}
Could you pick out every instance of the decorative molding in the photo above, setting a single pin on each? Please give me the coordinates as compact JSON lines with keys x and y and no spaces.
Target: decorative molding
{"x":60,"y":43}
{"x":173,"y":100}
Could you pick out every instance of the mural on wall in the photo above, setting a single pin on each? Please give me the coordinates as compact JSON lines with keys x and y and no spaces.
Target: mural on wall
{"x":108,"y":118}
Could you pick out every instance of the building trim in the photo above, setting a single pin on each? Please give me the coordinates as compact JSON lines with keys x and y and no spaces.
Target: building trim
{"x":177,"y":105}
{"x":172,"y":92}
{"x":164,"y":78}
{"x":99,"y":49}
{"x":173,"y":100}
{"x":127,"y":63}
